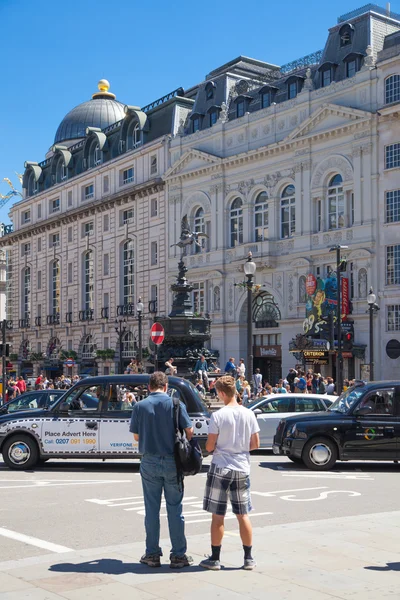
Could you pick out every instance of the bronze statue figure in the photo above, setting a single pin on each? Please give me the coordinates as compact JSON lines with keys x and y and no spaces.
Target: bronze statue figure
{"x":189,"y":237}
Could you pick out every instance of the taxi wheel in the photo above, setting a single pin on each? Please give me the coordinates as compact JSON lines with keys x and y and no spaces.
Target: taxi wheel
{"x":20,"y":452}
{"x":320,"y":454}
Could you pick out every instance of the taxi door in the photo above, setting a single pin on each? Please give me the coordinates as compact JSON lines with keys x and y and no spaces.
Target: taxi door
{"x":115,"y":437}
{"x":374,"y":435}
{"x":75,"y":431}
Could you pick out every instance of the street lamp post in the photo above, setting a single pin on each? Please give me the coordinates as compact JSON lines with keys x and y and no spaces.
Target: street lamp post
{"x":120,"y":329}
{"x":249,"y":270}
{"x":372,"y":308}
{"x":139,"y":310}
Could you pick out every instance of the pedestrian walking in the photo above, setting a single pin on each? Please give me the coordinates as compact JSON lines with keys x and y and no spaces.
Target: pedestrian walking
{"x":21,"y":384}
{"x":290,"y":377}
{"x":152,"y":425}
{"x":257,"y":382}
{"x":233,"y":432}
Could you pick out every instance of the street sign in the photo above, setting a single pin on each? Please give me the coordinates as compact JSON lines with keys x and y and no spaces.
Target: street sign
{"x":157,"y":333}
{"x":69,"y":362}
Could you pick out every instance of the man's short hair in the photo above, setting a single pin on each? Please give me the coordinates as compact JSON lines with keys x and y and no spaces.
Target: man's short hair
{"x":227,"y":385}
{"x":158,"y":380}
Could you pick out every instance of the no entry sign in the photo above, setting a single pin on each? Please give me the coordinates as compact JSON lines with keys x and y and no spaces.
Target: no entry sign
{"x":157,"y":333}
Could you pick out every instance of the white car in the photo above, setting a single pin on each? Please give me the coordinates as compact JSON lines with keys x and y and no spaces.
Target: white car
{"x":271,"y":409}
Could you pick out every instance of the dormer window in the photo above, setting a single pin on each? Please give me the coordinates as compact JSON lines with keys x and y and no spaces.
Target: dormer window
{"x":210,"y":87}
{"x":346,"y":35}
{"x":196,"y":119}
{"x":63,"y":172}
{"x":213,"y":114}
{"x":327,"y":72}
{"x":97,"y":155}
{"x":294,"y":86}
{"x":265,"y":99}
{"x":353,"y":63}
{"x":240,"y":109}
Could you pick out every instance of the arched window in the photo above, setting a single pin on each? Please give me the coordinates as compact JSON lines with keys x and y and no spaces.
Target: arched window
{"x":88,"y":265}
{"x":302,"y":289}
{"x":33,"y":185}
{"x":61,"y":170}
{"x":26,"y":293}
{"x":392,"y":89}
{"x":97,"y":155}
{"x":199,"y":227}
{"x":217,"y":298}
{"x":346,"y":34}
{"x":336,"y":217}
{"x":134,"y":138}
{"x":266,"y":314}
{"x":362,"y":283}
{"x":236,"y":219}
{"x":55,"y":288}
{"x":261,"y":217}
{"x":128,"y":273}
{"x":88,"y":348}
{"x":288,"y":212}
{"x":128,"y":345}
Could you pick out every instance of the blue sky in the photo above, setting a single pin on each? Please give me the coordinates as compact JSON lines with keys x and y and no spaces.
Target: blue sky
{"x":53,"y":54}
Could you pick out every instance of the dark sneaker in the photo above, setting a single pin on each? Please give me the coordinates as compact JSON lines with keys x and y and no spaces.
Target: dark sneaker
{"x":151,"y":560}
{"x":249,"y":564}
{"x":212,"y":565}
{"x":178,"y":562}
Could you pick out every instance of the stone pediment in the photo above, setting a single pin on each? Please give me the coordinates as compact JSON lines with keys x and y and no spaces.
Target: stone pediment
{"x":192,"y":161}
{"x":327,"y":118}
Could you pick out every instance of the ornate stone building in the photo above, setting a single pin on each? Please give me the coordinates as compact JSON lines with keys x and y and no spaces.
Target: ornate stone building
{"x":287,"y":162}
{"x":89,"y":238}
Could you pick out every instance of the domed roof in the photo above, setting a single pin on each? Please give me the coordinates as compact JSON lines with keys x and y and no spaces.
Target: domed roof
{"x":101,"y":111}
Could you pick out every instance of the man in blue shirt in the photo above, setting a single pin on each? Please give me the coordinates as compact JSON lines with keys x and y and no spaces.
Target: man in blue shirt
{"x":152,"y":425}
{"x":230,"y":367}
{"x":201,"y":369}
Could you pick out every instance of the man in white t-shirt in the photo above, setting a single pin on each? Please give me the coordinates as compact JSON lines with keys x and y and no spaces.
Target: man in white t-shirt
{"x":232,"y":433}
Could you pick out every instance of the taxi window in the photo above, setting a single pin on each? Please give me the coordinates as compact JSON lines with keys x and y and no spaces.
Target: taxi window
{"x":305,"y":404}
{"x":381,"y":402}
{"x":124,"y":396}
{"x":85,"y":398}
{"x":175,"y":394}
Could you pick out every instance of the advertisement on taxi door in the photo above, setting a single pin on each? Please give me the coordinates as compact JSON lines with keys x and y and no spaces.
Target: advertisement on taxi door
{"x":73,"y":436}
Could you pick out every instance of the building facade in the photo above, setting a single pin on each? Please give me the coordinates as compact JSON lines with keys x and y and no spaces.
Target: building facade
{"x":288,"y":162}
{"x":283,"y":161}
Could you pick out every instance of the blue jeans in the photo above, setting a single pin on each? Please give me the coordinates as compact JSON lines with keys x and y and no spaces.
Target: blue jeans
{"x":159,"y":473}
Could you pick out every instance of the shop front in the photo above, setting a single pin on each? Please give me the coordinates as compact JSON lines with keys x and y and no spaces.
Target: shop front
{"x":269,"y":360}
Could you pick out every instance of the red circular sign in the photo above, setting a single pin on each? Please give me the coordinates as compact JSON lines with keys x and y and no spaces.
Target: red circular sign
{"x":157,"y":333}
{"x":311,"y":284}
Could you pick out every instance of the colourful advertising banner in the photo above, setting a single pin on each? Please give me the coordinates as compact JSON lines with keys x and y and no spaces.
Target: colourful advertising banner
{"x":321,"y":300}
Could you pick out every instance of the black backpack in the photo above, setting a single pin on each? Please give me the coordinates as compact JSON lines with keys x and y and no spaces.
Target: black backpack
{"x":188,"y":455}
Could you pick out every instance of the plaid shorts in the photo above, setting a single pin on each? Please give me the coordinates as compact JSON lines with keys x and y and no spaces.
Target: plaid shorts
{"x":220,"y":483}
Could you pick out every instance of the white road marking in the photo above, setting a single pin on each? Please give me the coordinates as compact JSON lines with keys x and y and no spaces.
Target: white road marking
{"x":32,"y":541}
{"x":47,"y":484}
{"x":324,"y":475}
{"x":322,"y":496}
{"x":266,"y":494}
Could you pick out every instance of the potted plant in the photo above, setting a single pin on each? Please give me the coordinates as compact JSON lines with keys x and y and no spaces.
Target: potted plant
{"x":107,"y":354}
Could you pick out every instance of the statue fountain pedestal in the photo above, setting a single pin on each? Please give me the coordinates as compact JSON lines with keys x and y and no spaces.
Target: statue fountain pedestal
{"x":185,"y":333}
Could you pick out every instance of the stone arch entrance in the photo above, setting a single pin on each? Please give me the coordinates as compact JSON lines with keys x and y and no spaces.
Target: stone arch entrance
{"x":267,"y":347}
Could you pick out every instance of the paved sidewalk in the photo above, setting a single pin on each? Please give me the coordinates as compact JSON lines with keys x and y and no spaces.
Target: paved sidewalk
{"x":349,"y":558}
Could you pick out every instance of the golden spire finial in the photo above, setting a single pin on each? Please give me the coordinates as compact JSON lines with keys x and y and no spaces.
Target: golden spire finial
{"x":103,"y":92}
{"x":103,"y":85}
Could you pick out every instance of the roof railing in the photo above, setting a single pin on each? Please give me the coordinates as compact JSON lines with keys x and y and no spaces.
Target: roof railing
{"x":301,"y":63}
{"x":366,"y":8}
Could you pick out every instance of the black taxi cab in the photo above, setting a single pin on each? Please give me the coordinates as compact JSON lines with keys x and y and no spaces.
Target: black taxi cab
{"x":90,"y":420}
{"x":362,"y":424}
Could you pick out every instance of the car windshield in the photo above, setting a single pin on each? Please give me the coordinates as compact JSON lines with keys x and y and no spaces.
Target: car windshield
{"x":254,"y":403}
{"x":347,"y":399}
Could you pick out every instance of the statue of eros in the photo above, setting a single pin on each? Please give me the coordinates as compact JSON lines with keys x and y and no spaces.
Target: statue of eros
{"x":189,"y":237}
